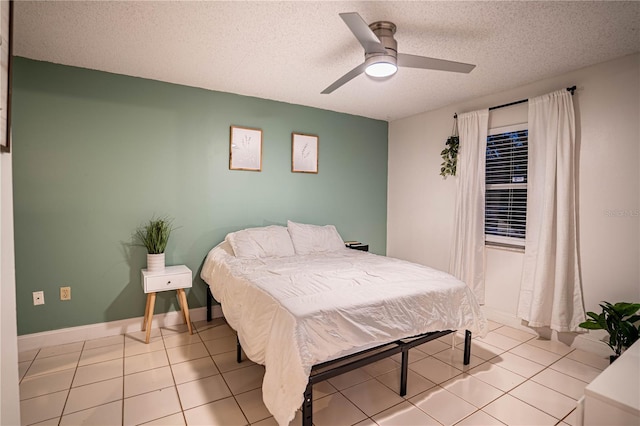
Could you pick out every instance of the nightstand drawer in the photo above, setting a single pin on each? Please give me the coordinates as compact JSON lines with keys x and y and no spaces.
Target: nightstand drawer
{"x":173,"y":277}
{"x":167,"y":282}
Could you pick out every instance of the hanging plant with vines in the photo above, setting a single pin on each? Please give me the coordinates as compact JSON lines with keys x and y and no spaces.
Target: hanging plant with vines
{"x":450,"y":153}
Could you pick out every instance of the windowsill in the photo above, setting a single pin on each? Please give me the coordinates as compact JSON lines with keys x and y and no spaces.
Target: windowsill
{"x":512,"y":249}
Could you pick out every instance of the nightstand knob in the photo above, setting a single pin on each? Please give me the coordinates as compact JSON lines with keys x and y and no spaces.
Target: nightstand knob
{"x":168,"y":282}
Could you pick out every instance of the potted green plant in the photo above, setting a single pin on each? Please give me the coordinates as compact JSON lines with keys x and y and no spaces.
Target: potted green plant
{"x":450,"y":157}
{"x":450,"y":153}
{"x":155,"y":236}
{"x":619,"y":321}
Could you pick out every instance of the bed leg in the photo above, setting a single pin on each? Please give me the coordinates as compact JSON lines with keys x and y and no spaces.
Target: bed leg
{"x":467,"y":347}
{"x":209,"y":303}
{"x":238,"y":351}
{"x":403,"y":372}
{"x":307,"y":406}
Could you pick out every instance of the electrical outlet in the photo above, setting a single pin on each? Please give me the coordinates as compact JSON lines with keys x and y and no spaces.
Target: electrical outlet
{"x":38,"y":298}
{"x":65,"y":293}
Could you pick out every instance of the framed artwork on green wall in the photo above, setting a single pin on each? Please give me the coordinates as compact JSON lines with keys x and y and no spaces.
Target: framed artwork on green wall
{"x":304,"y":153}
{"x":245,"y":149}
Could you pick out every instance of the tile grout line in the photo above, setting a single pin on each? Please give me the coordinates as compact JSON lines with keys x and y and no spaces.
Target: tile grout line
{"x":124,"y":352}
{"x":225,"y":383}
{"x":341,"y":392}
{"x":99,"y":381}
{"x":175,"y":385}
{"x":511,"y":389}
{"x":66,"y":400}
{"x":548,"y":367}
{"x":537,"y":408}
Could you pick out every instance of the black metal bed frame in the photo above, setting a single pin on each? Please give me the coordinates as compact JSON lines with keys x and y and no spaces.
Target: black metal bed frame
{"x":360,"y":359}
{"x":327,"y":370}
{"x":209,"y":303}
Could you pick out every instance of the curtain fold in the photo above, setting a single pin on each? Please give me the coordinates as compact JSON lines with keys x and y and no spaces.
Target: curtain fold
{"x":551,"y":290}
{"x":467,"y":252}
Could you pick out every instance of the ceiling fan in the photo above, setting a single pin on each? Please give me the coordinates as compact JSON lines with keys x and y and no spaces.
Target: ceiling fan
{"x":381,"y":57}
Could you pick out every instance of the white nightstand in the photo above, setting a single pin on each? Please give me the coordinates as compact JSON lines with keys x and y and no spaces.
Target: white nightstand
{"x":170,"y":278}
{"x":613,"y":398}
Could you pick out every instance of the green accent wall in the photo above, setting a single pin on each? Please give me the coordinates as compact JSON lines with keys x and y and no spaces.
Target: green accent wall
{"x":95,"y":155}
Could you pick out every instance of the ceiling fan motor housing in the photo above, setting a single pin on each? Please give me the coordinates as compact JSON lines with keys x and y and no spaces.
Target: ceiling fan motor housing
{"x":384,"y":30}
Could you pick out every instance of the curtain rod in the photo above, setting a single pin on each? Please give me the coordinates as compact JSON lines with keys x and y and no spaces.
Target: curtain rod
{"x":571,"y":89}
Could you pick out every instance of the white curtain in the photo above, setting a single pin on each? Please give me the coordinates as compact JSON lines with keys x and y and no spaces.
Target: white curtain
{"x":551,"y":291}
{"x":467,"y":254}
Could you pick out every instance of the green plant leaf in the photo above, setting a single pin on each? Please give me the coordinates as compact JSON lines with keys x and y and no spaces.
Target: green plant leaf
{"x":610,"y":312}
{"x":602,"y":321}
{"x":613,"y":343}
{"x":625,"y":309}
{"x":590,"y":325}
{"x":155,"y":235}
{"x":450,"y":157}
{"x":627,"y":334}
{"x":634,"y":318}
{"x":593,"y":315}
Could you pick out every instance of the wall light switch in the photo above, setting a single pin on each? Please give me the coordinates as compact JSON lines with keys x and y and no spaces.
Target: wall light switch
{"x":38,"y":298}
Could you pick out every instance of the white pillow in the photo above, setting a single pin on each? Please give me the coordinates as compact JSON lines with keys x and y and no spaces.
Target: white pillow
{"x":309,"y":239}
{"x":267,"y":241}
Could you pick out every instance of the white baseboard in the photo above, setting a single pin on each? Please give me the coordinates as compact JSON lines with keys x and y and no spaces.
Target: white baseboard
{"x":506,"y":319}
{"x":95,"y":331}
{"x":589,"y":342}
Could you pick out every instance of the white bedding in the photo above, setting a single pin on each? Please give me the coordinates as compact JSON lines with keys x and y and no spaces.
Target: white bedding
{"x":293,"y":312}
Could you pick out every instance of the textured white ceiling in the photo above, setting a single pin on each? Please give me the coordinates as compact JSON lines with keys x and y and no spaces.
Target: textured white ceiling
{"x":291,"y":51}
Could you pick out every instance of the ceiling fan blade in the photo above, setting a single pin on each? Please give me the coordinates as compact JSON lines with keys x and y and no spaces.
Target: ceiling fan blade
{"x":413,"y":61}
{"x":345,"y":78}
{"x":363,"y":33}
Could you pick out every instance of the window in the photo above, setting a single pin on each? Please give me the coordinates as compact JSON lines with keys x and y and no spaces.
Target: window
{"x":505,"y":216}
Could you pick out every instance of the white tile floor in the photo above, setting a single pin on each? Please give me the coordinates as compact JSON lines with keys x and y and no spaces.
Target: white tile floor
{"x":514,"y":378}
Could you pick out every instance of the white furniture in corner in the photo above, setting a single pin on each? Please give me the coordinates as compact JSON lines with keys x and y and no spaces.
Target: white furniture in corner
{"x":170,"y":278}
{"x":613,"y":398}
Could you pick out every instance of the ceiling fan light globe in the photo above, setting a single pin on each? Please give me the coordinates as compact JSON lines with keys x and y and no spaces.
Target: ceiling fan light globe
{"x":381,"y":69}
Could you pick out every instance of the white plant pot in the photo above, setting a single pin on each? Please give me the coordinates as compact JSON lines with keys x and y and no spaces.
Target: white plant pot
{"x":155,"y":262}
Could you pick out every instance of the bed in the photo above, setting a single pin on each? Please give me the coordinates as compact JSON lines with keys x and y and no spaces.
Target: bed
{"x":298,"y":298}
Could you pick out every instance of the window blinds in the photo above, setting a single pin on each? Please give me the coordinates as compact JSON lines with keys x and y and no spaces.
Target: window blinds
{"x":506,"y":186}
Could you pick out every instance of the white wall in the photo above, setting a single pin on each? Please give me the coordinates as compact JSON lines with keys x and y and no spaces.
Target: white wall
{"x":607,"y":104}
{"x":9,"y":394}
